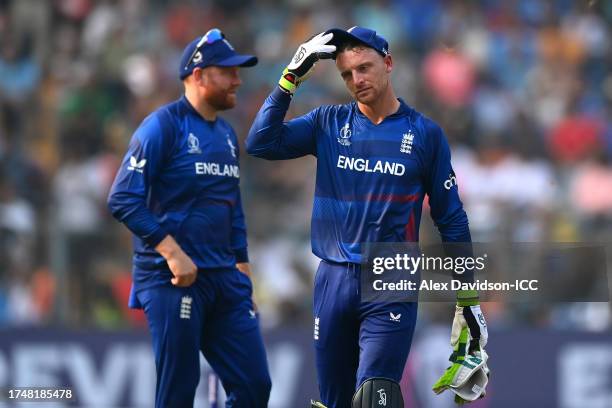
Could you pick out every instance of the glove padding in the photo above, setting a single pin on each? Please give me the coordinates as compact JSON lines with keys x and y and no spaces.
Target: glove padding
{"x":468,"y":376}
{"x":304,"y":60}
{"x":472,"y":318}
{"x":475,"y":387}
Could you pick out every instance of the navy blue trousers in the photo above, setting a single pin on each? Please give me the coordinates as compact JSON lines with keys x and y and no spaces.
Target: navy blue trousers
{"x":214,"y":316}
{"x":355,"y":340}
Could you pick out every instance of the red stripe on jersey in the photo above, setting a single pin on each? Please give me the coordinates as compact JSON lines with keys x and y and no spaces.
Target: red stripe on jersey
{"x":411,"y":228}
{"x":394,"y":198}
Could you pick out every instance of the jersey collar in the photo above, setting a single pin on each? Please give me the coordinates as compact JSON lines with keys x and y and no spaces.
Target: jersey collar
{"x":403,"y":110}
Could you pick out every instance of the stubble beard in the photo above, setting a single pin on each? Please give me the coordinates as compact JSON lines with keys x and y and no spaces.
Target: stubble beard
{"x":221,"y":100}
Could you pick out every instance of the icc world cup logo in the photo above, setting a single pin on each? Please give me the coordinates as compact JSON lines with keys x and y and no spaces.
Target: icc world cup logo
{"x":194,"y":144}
{"x":345,"y":135}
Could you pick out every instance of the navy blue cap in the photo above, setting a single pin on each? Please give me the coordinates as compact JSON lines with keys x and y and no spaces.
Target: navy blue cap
{"x":362,"y":35}
{"x":212,"y":49}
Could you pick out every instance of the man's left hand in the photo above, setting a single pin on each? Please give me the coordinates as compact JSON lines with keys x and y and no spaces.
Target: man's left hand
{"x":245,"y":268}
{"x":470,"y":317}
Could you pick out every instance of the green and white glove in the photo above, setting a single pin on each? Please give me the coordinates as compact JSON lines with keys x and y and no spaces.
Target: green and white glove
{"x":304,"y":60}
{"x":468,"y":315}
{"x":475,"y":387}
{"x":468,"y":375}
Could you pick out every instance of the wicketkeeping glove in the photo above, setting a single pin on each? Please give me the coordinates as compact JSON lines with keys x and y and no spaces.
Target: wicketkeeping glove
{"x":304,"y":60}
{"x":475,"y":387}
{"x":468,"y":375}
{"x":468,"y":314}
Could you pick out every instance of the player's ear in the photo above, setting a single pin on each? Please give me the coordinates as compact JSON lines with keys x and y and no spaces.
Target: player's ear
{"x":388,"y":60}
{"x":199,"y":76}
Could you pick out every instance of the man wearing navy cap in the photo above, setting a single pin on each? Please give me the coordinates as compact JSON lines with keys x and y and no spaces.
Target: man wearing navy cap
{"x":377,"y":158}
{"x":177,"y":190}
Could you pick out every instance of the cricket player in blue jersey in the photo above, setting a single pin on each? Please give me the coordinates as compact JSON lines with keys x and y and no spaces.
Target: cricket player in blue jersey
{"x":377,"y":158}
{"x":177,"y":190}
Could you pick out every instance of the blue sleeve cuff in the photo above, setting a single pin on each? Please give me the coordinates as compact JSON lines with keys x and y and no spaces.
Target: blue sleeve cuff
{"x":242,"y":255}
{"x":156,"y":237}
{"x":281,"y":97}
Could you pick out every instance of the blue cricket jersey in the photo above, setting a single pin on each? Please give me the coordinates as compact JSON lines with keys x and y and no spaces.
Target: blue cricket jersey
{"x":180,"y":176}
{"x":371,"y":179}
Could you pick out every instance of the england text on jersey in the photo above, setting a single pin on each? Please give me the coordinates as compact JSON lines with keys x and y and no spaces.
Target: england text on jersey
{"x":364,"y":165}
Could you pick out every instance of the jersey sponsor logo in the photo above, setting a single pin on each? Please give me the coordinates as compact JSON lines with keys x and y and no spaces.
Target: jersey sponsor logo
{"x":345,"y":135}
{"x":252,"y":314}
{"x":216,"y":169}
{"x":231,"y":145}
{"x":395,"y":318}
{"x":186,"y":302}
{"x":451,"y":181}
{"x":316,"y":329}
{"x":365,"y":166}
{"x":382,"y":397}
{"x":194,"y":144}
{"x":407,"y":140}
{"x":136,"y":165}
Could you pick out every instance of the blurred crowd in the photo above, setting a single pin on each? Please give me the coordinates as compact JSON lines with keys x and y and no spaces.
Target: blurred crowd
{"x":522,"y":88}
